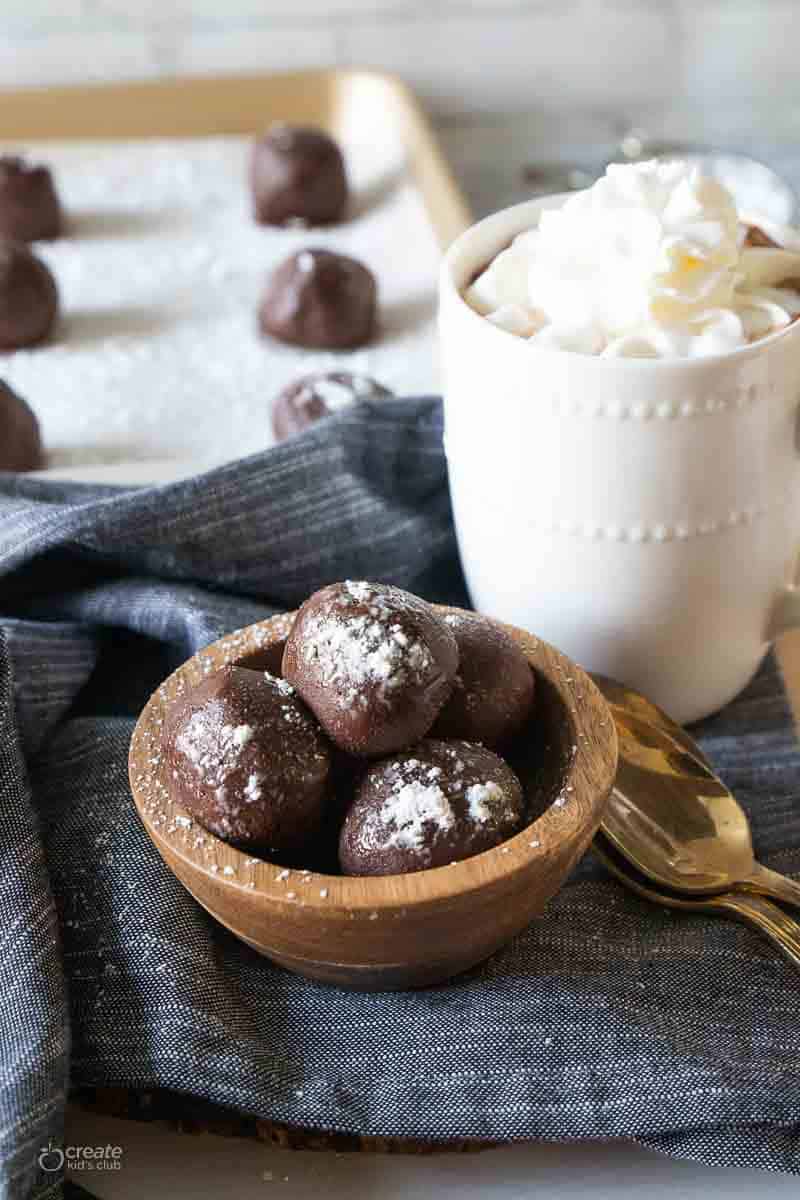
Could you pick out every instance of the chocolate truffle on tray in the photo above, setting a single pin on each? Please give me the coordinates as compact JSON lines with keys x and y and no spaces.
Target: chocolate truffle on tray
{"x":28,"y":297}
{"x":20,"y":440}
{"x":493,"y":694}
{"x":313,"y":397}
{"x":297,"y":173}
{"x":248,"y":761}
{"x":434,"y":804}
{"x":321,"y":300}
{"x":755,"y":237}
{"x":373,"y":663}
{"x":29,"y":207}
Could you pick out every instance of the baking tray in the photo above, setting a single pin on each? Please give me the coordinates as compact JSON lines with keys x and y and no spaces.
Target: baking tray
{"x":210,"y":106}
{"x":92,"y":130}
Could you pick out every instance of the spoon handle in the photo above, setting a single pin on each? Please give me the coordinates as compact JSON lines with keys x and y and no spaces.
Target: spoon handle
{"x":756,"y":911}
{"x":762,"y":914}
{"x":771,"y":883}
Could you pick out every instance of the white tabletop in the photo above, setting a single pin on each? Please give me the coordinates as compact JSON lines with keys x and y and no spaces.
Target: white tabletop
{"x":157,"y":1161}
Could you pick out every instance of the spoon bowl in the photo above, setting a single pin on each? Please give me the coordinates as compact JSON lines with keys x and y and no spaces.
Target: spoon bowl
{"x":671,"y":816}
{"x":674,"y":819}
{"x":623,"y":699}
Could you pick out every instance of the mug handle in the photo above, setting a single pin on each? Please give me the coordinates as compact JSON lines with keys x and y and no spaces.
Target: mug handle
{"x":785,"y":613}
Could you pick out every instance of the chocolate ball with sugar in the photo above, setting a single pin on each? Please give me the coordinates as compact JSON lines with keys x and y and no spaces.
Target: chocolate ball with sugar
{"x":28,"y":297}
{"x":436,"y":803}
{"x":29,"y":205}
{"x":20,"y":438}
{"x":373,"y":663}
{"x":297,"y":173}
{"x":493,"y":693}
{"x":248,"y":761}
{"x":320,"y":300}
{"x":307,"y":400}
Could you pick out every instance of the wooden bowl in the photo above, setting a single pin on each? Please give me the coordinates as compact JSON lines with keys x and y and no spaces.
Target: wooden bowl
{"x":392,"y":931}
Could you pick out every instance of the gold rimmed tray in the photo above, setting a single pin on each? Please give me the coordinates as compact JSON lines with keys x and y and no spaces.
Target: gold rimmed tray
{"x":403,"y":194}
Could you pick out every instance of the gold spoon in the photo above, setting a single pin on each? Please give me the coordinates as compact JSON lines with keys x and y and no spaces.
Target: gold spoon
{"x":619,"y":695}
{"x":671,"y":816}
{"x":753,"y":910}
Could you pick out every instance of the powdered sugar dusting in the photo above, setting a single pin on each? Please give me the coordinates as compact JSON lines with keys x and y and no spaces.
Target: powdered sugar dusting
{"x":211,"y":745}
{"x":336,"y":390}
{"x":252,"y":791}
{"x":415,"y":811}
{"x":283,"y":685}
{"x":335,"y":396}
{"x":485,"y":802}
{"x":359,"y":591}
{"x":367,"y":646}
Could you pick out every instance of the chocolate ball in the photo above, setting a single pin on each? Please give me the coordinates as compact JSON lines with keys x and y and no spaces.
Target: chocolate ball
{"x":434,"y":804}
{"x":28,"y":297}
{"x":20,"y":440}
{"x":29,"y":207}
{"x":493,"y":693}
{"x":346,"y":772}
{"x":297,"y":173}
{"x":321,"y":300}
{"x":313,"y":397}
{"x":248,"y":761}
{"x":373,"y":663}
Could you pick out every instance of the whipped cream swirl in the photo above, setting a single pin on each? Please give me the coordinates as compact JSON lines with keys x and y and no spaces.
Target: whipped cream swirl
{"x":647,"y":263}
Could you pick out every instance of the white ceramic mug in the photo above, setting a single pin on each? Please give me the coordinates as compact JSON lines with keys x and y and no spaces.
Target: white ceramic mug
{"x":641,"y":514}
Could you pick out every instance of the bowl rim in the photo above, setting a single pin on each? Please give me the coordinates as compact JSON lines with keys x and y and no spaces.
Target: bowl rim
{"x":175,"y":833}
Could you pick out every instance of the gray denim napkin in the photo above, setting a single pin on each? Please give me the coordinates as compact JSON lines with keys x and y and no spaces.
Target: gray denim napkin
{"x":607,"y":1018}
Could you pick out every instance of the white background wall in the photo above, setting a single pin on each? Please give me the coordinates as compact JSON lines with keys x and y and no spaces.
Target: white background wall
{"x":615,"y":58}
{"x":509,"y":82}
